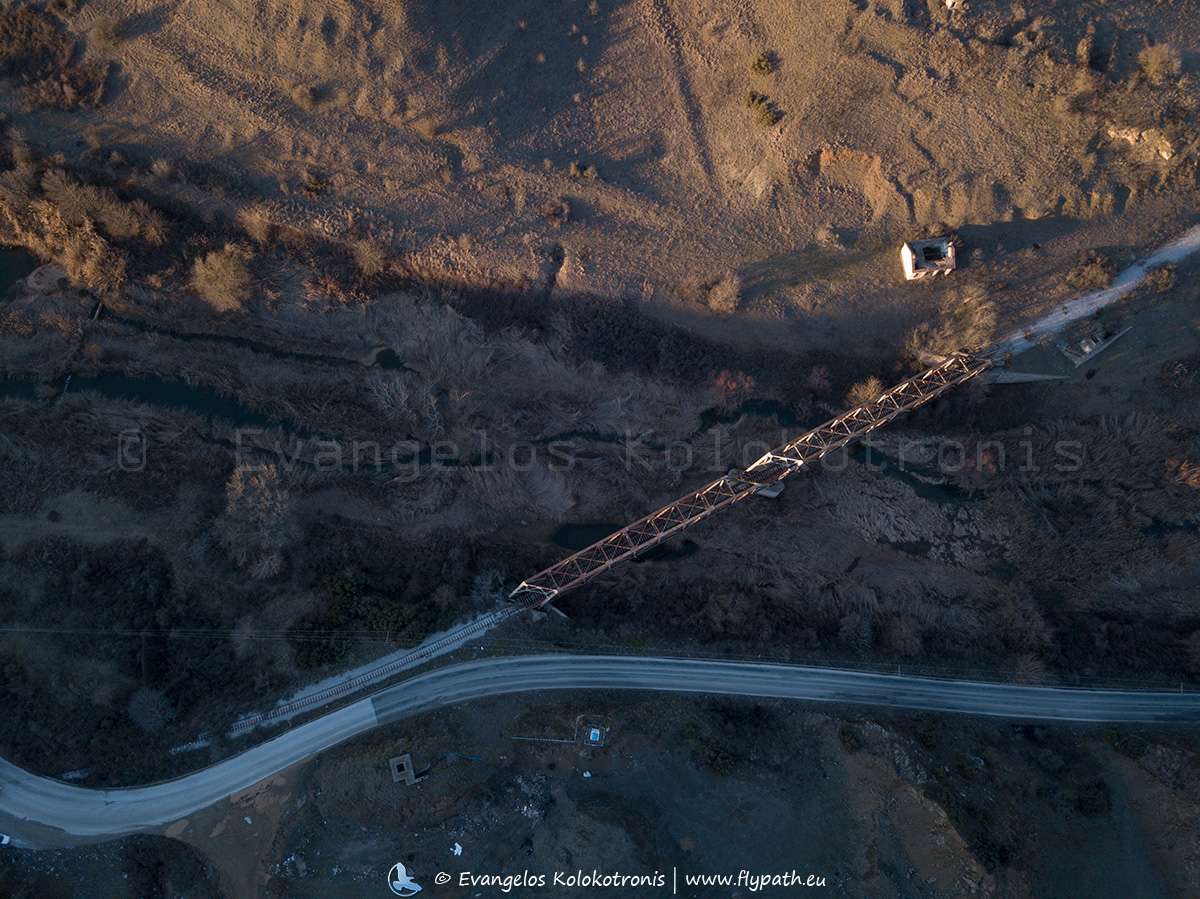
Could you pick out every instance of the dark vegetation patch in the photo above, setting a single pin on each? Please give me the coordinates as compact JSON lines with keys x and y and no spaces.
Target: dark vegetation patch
{"x":994,"y":780}
{"x":98,"y":602}
{"x":118,"y":228}
{"x":150,"y":867}
{"x":136,"y":653}
{"x":369,"y":596}
{"x":762,"y":109}
{"x":736,"y":734}
{"x":41,"y":57}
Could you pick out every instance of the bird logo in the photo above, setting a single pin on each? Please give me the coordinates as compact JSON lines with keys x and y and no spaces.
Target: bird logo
{"x":401,"y":882}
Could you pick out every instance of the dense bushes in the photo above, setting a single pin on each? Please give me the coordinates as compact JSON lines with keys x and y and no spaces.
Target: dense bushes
{"x":354,"y":608}
{"x":39,"y":55}
{"x":86,"y":228}
{"x":31,"y":45}
{"x":78,"y":686}
{"x":79,"y":203}
{"x":966,"y":321}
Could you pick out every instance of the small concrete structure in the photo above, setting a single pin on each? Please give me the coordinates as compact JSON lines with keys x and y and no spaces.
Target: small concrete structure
{"x":403,"y":770}
{"x":591,"y":732}
{"x":1095,"y":342}
{"x":927,"y":258}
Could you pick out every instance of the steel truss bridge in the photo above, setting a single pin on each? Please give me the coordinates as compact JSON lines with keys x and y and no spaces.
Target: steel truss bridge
{"x":770,"y":469}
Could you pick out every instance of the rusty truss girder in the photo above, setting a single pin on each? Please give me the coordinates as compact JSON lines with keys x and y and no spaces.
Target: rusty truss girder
{"x":774,"y":466}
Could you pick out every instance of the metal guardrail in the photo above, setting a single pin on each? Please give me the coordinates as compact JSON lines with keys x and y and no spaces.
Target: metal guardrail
{"x":330,"y":694}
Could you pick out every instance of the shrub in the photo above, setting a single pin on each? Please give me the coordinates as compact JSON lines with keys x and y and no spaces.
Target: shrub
{"x":222,"y":278}
{"x":732,"y":387}
{"x":315,"y":183}
{"x":557,"y":212}
{"x":851,"y":738}
{"x":315,"y":97}
{"x":765,"y":113}
{"x":762,"y":64}
{"x":426,"y":127}
{"x":865,"y":392}
{"x":579,"y":169}
{"x":162,"y":169}
{"x":92,"y":264}
{"x":818,"y":380}
{"x":152,"y":227}
{"x":256,"y":222}
{"x":149,"y":709}
{"x":1186,"y":474}
{"x":725,"y":295}
{"x":370,"y":256}
{"x":1029,"y":669}
{"x":1192,"y":650}
{"x":1094,"y":271}
{"x":903,"y":636}
{"x":306,"y":97}
{"x":1161,"y":280}
{"x":1160,"y":62}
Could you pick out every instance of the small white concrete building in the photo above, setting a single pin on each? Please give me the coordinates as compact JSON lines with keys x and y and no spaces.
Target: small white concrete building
{"x":926,"y":258}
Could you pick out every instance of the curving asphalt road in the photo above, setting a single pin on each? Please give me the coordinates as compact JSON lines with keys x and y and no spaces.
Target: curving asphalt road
{"x":39,"y":811}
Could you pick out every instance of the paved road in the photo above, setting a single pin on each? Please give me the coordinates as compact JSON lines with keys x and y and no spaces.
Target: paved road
{"x":1122,"y":286}
{"x":38,"y":811}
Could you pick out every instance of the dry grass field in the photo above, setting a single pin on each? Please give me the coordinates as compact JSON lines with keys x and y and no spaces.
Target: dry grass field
{"x":610,"y":148}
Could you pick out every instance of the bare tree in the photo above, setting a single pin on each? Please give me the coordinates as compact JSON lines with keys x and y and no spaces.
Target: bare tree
{"x":257,"y":525}
{"x":865,"y":392}
{"x":370,"y":256}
